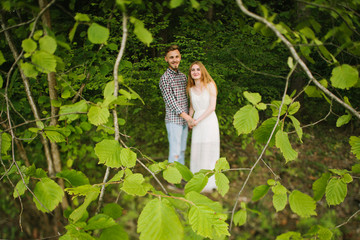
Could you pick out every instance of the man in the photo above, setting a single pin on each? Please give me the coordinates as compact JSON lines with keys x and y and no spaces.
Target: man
{"x":173,"y":88}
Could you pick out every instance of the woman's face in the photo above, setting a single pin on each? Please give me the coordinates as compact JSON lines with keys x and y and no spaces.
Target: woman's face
{"x":195,"y":72}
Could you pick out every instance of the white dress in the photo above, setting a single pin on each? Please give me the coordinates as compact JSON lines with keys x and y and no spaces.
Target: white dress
{"x":205,"y":139}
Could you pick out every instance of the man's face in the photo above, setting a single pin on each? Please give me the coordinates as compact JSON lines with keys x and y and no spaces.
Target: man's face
{"x":173,"y":58}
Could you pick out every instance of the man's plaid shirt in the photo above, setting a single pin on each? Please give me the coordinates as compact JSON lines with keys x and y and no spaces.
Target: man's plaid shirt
{"x":173,"y":88}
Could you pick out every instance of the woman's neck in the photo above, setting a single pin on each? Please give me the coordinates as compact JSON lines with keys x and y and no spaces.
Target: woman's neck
{"x":198,"y":83}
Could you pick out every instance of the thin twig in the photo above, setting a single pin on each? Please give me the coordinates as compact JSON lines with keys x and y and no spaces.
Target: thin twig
{"x":116,"y":89}
{"x":167,"y":196}
{"x":252,"y":70}
{"x":348,"y":220}
{"x":264,"y":149}
{"x":153,"y":174}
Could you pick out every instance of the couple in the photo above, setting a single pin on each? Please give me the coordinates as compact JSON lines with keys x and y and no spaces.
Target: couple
{"x":200,"y":116}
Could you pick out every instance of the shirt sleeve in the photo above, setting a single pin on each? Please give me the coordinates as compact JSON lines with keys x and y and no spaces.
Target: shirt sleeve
{"x":168,"y":96}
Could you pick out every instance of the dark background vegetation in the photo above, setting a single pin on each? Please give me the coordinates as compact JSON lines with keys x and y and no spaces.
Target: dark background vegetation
{"x":220,"y":36}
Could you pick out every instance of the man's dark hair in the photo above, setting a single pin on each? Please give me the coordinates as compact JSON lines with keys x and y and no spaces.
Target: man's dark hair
{"x":172,"y":48}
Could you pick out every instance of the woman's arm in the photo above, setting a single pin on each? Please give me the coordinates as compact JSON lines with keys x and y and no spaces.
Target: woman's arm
{"x":212,"y":105}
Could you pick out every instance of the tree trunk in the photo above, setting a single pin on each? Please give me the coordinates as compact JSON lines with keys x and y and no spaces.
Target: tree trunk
{"x":32,"y":104}
{"x":54,"y":110}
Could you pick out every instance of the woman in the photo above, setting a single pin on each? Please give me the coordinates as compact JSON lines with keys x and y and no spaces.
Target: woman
{"x":205,"y":140}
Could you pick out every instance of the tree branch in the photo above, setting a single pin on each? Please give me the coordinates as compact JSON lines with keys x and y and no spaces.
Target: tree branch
{"x":297,"y":58}
{"x":116,"y":90}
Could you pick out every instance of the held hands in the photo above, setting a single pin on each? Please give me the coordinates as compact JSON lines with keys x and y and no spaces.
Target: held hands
{"x":192,"y":122}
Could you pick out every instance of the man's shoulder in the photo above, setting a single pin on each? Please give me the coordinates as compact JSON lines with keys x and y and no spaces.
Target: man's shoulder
{"x":165,"y":75}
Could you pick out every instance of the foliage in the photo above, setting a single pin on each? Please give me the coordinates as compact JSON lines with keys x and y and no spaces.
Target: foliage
{"x":64,"y":105}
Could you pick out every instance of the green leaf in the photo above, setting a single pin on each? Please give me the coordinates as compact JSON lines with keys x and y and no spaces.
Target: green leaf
{"x":261,"y":106}
{"x":207,"y":223}
{"x":100,"y":221}
{"x":271,"y":182}
{"x":355,"y":146}
{"x":73,"y":31}
{"x":54,"y":136}
{"x":109,"y":151}
{"x":158,"y":220}
{"x":319,"y":186}
{"x":20,"y":188}
{"x":297,"y":126}
{"x":172,"y":175}
{"x":38,"y":34}
{"x":355,"y":168}
{"x":336,"y":191}
{"x":279,"y":201}
{"x":29,"y":45}
{"x":175,"y":3}
{"x":313,"y":91}
{"x":48,"y":44}
{"x":72,"y":108}
{"x":116,"y":232}
{"x":294,"y":108}
{"x":195,"y":4}
{"x":199,"y":199}
{"x":49,"y":193}
{"x":302,"y":204}
{"x":113,"y":210}
{"x":342,"y":120}
{"x":283,"y":143}
{"x":98,"y":115}
{"x":347,"y":178}
{"x":44,"y":61}
{"x":185,"y":172}
{"x":222,"y":183}
{"x":240,"y":217}
{"x":339,"y":172}
{"x":344,"y":76}
{"x":324,"y":233}
{"x":80,"y":17}
{"x":77,"y":214}
{"x":246,"y":119}
{"x":275,"y":106}
{"x":75,"y":178}
{"x":253,"y":98}
{"x":290,"y":62}
{"x":117,"y":177}
{"x":83,"y":190}
{"x":133,"y":185}
{"x":262,"y":133}
{"x":5,"y":142}
{"x":221,"y":164}
{"x":259,"y":192}
{"x":32,"y":171}
{"x":289,"y":236}
{"x":197,"y":183}
{"x":2,"y":59}
{"x":308,"y":32}
{"x":109,"y":89}
{"x":29,"y":69}
{"x":141,"y":32}
{"x":279,"y":189}
{"x":98,"y":34}
{"x":128,"y":158}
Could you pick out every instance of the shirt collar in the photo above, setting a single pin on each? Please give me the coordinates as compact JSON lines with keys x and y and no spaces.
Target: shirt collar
{"x":172,"y":71}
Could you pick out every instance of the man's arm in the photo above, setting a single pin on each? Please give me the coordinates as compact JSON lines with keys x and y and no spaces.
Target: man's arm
{"x":168,"y":96}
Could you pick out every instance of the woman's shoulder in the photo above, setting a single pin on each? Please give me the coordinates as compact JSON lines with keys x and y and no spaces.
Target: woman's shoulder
{"x":211,"y":86}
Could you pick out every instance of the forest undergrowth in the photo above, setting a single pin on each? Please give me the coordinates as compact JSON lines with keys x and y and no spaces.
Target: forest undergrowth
{"x":321,"y":150}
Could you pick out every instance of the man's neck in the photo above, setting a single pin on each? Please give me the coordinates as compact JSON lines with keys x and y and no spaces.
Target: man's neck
{"x":175,"y":70}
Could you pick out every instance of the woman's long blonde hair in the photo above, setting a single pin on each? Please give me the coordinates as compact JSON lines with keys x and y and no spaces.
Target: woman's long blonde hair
{"x":205,"y":77}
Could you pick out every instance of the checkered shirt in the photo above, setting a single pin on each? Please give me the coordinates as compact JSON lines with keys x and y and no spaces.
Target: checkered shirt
{"x":173,"y":88}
